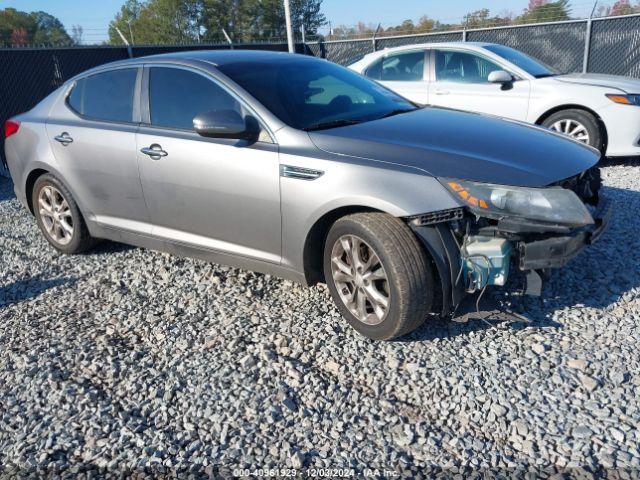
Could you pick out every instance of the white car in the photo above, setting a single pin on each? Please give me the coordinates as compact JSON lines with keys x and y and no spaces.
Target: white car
{"x":600,"y":110}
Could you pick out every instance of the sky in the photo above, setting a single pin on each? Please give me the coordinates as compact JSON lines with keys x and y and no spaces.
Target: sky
{"x":94,"y":15}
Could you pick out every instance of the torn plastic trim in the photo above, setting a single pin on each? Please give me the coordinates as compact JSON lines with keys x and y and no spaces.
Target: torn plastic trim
{"x":439,"y":241}
{"x":557,"y":251}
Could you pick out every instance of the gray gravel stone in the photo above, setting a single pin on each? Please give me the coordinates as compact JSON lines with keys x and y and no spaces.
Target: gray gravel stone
{"x":539,"y":348}
{"x":588,"y":382}
{"x":577,"y":364}
{"x":124,"y":358}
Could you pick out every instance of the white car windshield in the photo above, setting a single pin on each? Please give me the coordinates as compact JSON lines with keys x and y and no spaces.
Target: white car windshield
{"x":530,"y":65}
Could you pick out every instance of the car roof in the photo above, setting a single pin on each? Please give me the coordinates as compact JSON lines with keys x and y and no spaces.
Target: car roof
{"x":222,"y":57}
{"x":213,"y":57}
{"x":417,"y":46}
{"x":471,"y":45}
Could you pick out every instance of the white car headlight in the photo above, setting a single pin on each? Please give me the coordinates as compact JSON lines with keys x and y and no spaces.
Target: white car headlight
{"x":552,"y":205}
{"x":629,"y":99}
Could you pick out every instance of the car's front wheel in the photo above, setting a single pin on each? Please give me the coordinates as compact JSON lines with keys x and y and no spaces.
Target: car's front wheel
{"x":577,"y":124}
{"x":58,"y":216}
{"x":378,"y":274}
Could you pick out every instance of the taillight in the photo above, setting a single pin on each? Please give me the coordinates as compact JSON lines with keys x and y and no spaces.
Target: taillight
{"x":11,"y":127}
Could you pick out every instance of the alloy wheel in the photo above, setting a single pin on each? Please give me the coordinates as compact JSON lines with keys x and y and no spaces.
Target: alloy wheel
{"x":55,"y":214}
{"x":572,"y":128}
{"x":360,"y":279}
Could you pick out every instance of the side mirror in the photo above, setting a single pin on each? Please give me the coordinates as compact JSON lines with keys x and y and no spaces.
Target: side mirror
{"x":500,"y":76}
{"x":221,"y":124}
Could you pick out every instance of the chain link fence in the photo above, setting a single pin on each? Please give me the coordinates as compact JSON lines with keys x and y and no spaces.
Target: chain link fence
{"x":603,"y":45}
{"x":612,"y":45}
{"x":343,"y":53}
{"x":27,"y":75}
{"x":615,"y":46}
{"x":559,"y":45}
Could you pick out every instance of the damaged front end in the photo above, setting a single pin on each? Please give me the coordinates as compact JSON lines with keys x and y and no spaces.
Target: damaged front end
{"x":500,"y":227}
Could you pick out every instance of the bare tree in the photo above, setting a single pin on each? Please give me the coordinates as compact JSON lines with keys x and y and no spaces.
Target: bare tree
{"x":76,"y":34}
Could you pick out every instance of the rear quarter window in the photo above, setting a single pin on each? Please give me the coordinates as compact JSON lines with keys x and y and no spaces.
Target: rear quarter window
{"x":105,"y":96}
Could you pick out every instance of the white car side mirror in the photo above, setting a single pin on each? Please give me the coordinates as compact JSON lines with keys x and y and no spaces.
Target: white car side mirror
{"x":500,"y":76}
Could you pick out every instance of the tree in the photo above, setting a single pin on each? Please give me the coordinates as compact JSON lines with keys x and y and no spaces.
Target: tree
{"x":234,"y":16}
{"x":155,"y":21}
{"x":180,"y":21}
{"x":623,"y":7}
{"x":308,"y":12}
{"x":22,"y":28}
{"x":482,"y":19}
{"x":533,"y":4}
{"x":425,"y":24}
{"x":49,"y":30}
{"x":261,"y":19}
{"x":407,"y":27}
{"x":19,"y":37}
{"x":543,"y":11}
{"x":76,"y":34}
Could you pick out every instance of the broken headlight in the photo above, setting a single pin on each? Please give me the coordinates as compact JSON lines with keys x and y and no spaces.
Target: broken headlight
{"x":551,"y":205}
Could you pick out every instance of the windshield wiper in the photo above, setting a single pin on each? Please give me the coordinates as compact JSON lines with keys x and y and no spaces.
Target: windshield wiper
{"x":397,"y":111}
{"x":546,"y":75}
{"x":342,"y":122}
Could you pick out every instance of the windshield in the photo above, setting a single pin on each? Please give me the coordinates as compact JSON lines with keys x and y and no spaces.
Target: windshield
{"x":311,"y":94}
{"x":525,"y":62}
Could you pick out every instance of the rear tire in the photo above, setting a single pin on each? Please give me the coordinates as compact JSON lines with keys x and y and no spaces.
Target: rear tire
{"x":59,"y":217}
{"x":359,"y":251}
{"x":584,"y":126}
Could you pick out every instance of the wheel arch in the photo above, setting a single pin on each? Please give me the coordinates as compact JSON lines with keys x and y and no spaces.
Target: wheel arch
{"x":30,"y":183}
{"x":575,"y":106}
{"x":313,"y":251}
{"x":440,"y":255}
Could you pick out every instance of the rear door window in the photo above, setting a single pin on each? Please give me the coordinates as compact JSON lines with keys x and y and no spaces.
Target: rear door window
{"x":105,"y":96}
{"x":402,"y":67}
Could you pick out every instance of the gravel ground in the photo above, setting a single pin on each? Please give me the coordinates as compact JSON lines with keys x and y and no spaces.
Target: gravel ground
{"x":125,"y":359}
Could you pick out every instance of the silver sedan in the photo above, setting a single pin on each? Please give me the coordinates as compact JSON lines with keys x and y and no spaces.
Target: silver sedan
{"x":301,"y":168}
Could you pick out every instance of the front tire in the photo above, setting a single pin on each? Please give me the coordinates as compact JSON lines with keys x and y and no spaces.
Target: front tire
{"x":59,"y":217}
{"x":378,"y":274}
{"x":577,"y":124}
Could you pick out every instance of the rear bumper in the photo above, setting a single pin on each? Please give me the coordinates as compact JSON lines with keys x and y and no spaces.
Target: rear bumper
{"x":555,"y":252}
{"x":13,"y":172}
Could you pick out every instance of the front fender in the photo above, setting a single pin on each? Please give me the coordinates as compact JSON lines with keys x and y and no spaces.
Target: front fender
{"x":546,"y":98}
{"x":363,"y":184}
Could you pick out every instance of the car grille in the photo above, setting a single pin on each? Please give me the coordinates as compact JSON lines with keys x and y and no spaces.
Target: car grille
{"x":438,"y":217}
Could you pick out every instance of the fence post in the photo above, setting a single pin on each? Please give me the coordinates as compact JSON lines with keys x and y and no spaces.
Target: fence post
{"x":587,"y":40}
{"x":287,"y":18}
{"x":126,"y":42}
{"x":226,"y":35}
{"x":464,"y":34}
{"x":322,"y":48}
{"x":373,"y":39}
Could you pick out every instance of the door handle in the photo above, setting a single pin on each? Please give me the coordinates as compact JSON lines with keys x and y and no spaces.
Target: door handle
{"x":442,"y":92}
{"x":64,"y":138}
{"x":155,"y":151}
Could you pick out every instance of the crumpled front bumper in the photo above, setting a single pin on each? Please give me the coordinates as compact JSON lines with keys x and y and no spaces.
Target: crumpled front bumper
{"x":535,"y":251}
{"x":556,"y":251}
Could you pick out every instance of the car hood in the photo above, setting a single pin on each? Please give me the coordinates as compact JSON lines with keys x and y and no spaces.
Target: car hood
{"x":626,"y":84}
{"x":468,"y":146}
